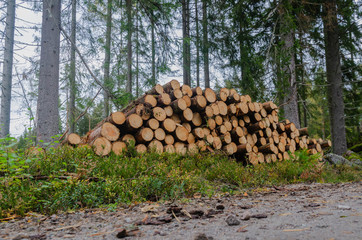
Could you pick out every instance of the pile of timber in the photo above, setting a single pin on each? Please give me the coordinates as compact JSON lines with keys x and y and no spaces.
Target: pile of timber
{"x":179,"y":119}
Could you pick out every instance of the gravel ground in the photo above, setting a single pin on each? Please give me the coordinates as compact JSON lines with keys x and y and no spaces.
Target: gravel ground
{"x":299,"y":211}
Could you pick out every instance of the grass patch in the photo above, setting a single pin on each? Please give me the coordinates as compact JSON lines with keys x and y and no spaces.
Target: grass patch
{"x":65,"y":179}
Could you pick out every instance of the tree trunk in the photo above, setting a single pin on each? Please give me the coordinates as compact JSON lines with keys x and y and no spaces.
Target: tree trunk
{"x":107,"y":58}
{"x":129,"y":46}
{"x":334,"y":78}
{"x":7,"y":69}
{"x":153,"y":80}
{"x":205,"y":44}
{"x":71,"y":116}
{"x":186,"y":42}
{"x":137,"y":52}
{"x":289,"y":74}
{"x":48,"y":89}
{"x":197,"y":45}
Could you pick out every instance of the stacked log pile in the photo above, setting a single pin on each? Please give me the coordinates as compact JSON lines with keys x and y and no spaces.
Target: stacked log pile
{"x":179,"y":119}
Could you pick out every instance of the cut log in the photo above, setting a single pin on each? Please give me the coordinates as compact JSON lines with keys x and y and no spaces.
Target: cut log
{"x":233,"y":98}
{"x":155,"y":146}
{"x":181,"y":133}
{"x":178,"y":105}
{"x":157,"y":89}
{"x":255,"y":127}
{"x":159,"y":113}
{"x":133,"y":122}
{"x":163,"y":99}
{"x":223,"y":108}
{"x":129,"y":139}
{"x":222,"y":96}
{"x":160,"y":134}
{"x":268,"y":148}
{"x":196,"y":119}
{"x":198,"y":133}
{"x":215,"y":108}
{"x":290,"y":127}
{"x":206,"y":130}
{"x":202,"y":145}
{"x":226,"y":138}
{"x":187,"y":100}
{"x":209,"y":139}
{"x":119,"y":147}
{"x":211,"y":123}
{"x":176,"y":94}
{"x":141,"y":148}
{"x":107,"y":130}
{"x":242,"y":108}
{"x":251,"y":107}
{"x":269,"y":106}
{"x":169,"y":125}
{"x":187,"y":126}
{"x":153,"y":123}
{"x":169,"y":149}
{"x":244,"y":148}
{"x":326,"y":144}
{"x":217,"y":144}
{"x":186,"y":90}
{"x":197,"y":91}
{"x":198,"y":102}
{"x":218,"y":120}
{"x":169,"y":140}
{"x":228,"y":125}
{"x":187,"y":115}
{"x":102,"y":146}
{"x":191,"y":138}
{"x":172,"y":85}
{"x":192,"y":148}
{"x":231,"y":109}
{"x":209,"y":112}
{"x":116,"y":118}
{"x":144,"y":135}
{"x":150,"y":99}
{"x":180,"y":148}
{"x":209,"y":95}
{"x":168,"y":111}
{"x":73,"y":139}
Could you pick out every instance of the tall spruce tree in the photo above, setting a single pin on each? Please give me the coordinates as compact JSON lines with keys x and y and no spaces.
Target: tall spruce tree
{"x":48,"y":89}
{"x":7,"y":75}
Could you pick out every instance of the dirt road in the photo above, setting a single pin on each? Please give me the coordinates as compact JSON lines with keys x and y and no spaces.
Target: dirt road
{"x":300,"y":211}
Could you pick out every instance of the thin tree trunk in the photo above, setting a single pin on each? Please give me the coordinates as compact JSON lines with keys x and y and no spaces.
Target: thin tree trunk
{"x":107,"y":58}
{"x":205,"y":43}
{"x":137,"y":53}
{"x":48,"y":89}
{"x":7,"y":70}
{"x":197,"y":44}
{"x":153,"y":81}
{"x":186,"y":42}
{"x":289,"y":71}
{"x":71,"y":114}
{"x":129,"y":47}
{"x":334,"y":78}
{"x":304,"y":89}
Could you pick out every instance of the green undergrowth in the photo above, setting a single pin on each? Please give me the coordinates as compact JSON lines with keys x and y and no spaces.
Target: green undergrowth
{"x":64,"y":178}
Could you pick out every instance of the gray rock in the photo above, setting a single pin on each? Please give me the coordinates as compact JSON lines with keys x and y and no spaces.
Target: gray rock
{"x":232,"y":220}
{"x":336,"y":159}
{"x":344,"y":207}
{"x":245,"y":216}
